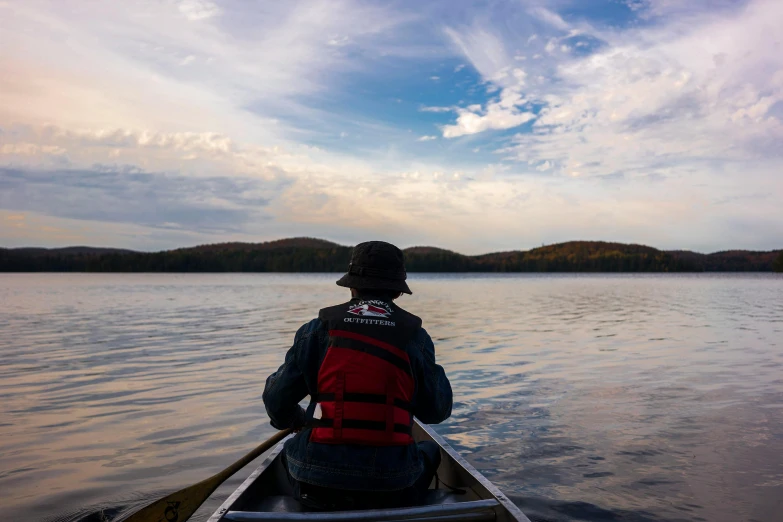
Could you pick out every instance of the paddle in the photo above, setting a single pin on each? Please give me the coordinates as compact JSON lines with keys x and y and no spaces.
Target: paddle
{"x":180,"y":505}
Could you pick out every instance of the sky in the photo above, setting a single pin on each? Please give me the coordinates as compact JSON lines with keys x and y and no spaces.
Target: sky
{"x":476,"y":126}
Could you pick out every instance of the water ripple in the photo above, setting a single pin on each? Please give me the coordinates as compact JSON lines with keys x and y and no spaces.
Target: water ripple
{"x":584,"y":397}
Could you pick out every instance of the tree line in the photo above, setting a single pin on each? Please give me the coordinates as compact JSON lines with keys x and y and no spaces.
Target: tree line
{"x":320,"y":256}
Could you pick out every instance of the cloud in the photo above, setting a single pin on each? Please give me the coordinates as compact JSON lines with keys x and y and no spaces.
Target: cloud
{"x":426,"y":138}
{"x":198,"y":9}
{"x":544,"y":166}
{"x":436,"y":109}
{"x":30,"y":150}
{"x":50,"y":146}
{"x":667,"y":97}
{"x":339,"y":40}
{"x":156,"y":209}
{"x":504,"y":112}
{"x":700,"y":89}
{"x":656,"y":9}
{"x":193,"y":153}
{"x":128,"y":195}
{"x":481,"y":47}
{"x":119,"y":67}
{"x":665,"y":130}
{"x":551,"y":18}
{"x":14,"y":220}
{"x":27,"y":229}
{"x":494,"y":117}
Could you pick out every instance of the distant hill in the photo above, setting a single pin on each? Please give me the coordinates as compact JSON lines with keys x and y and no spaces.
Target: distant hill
{"x":427,"y":251}
{"x":433,"y":259}
{"x":740,"y":261}
{"x":585,"y":256}
{"x":295,"y":242}
{"x":316,"y":255}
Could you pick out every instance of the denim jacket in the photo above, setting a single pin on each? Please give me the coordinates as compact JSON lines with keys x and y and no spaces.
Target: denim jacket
{"x":344,"y":466}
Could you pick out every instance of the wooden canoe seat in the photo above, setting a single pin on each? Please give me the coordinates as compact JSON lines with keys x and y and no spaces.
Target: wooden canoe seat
{"x":475,"y":510}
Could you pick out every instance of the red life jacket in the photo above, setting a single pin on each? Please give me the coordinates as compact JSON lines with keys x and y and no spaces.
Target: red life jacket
{"x":365,"y":382}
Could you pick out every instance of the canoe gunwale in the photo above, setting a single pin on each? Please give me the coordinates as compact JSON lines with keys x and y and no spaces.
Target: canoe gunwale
{"x":433,"y":513}
{"x":493,"y":490}
{"x":499,"y":501}
{"x":234,"y":496}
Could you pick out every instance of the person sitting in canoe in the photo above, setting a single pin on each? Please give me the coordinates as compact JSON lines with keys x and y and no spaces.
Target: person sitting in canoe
{"x":371,"y":367}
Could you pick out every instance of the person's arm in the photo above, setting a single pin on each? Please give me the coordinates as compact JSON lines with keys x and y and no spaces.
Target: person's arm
{"x":433,"y":395}
{"x":287,"y":386}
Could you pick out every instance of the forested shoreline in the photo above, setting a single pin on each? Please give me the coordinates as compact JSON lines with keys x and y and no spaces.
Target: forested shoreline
{"x":314,"y":255}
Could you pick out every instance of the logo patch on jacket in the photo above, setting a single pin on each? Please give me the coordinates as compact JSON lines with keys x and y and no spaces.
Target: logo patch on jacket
{"x":370,"y":309}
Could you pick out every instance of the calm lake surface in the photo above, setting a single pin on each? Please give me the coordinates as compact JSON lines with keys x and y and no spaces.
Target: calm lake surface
{"x":583,"y":397}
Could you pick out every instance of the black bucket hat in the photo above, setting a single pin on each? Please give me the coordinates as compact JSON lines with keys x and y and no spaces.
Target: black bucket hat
{"x":376,"y":265}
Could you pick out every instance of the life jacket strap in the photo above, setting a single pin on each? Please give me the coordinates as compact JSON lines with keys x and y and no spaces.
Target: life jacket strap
{"x":355,"y":424}
{"x":371,"y":398}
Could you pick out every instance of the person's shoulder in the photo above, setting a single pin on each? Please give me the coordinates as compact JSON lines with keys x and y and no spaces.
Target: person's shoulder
{"x":412,"y":321}
{"x":422,"y":338}
{"x":421,"y":347}
{"x":325,"y":313}
{"x":310,"y":328}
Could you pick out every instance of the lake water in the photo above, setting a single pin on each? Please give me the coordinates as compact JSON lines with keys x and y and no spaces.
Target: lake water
{"x":583,"y":397}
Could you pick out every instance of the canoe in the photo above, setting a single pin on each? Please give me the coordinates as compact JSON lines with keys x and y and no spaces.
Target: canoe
{"x":266,"y":495}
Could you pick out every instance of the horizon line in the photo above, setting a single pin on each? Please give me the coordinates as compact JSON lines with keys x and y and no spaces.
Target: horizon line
{"x":128,"y":250}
